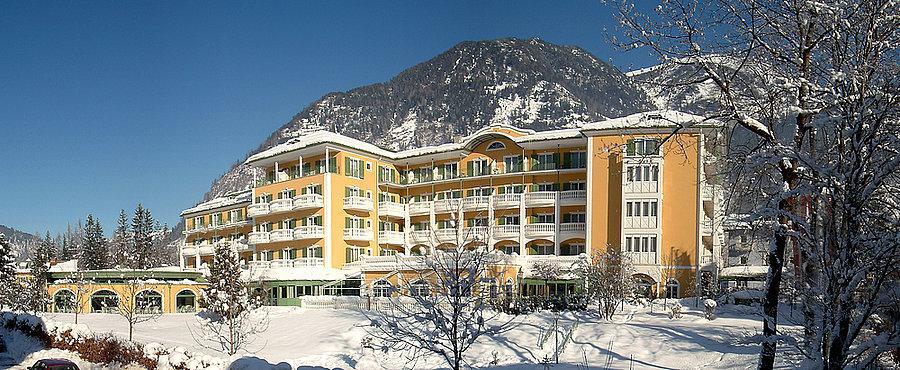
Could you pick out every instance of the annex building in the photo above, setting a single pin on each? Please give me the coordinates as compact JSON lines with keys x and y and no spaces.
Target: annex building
{"x":332,"y":215}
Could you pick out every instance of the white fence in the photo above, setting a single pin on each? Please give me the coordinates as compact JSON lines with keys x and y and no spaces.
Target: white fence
{"x":359,"y":303}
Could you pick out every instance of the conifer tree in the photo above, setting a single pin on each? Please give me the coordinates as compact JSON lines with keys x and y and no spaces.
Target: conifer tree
{"x":95,"y":255}
{"x":119,"y":245}
{"x":9,"y":287}
{"x":36,"y":298}
{"x":141,"y":238}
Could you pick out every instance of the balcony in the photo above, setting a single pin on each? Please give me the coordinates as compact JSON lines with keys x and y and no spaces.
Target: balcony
{"x":476,"y":203}
{"x":358,"y":234}
{"x":198,"y":229}
{"x":507,"y":232}
{"x":420,"y":237}
{"x":540,"y":230}
{"x":281,"y":235}
{"x":188,"y":250}
{"x":206,"y":250}
{"x":236,"y":223}
{"x":706,"y":259}
{"x":447,"y":205}
{"x":259,"y":237}
{"x":642,"y":258}
{"x":292,"y":263}
{"x":357,"y":203}
{"x":504,"y":201}
{"x":642,"y":222}
{"x":447,"y":235}
{"x":258,"y":209}
{"x":308,"y":201}
{"x":573,"y":197}
{"x":390,"y":237}
{"x":281,"y":205}
{"x":476,"y":233}
{"x":419,"y":208}
{"x":391,"y":209}
{"x":571,"y":229}
{"x":540,"y":199}
{"x":640,"y":186}
{"x":706,"y":226}
{"x":309,"y":232}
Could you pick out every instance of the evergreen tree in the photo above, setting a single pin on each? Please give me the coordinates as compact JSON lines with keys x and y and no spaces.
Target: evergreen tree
{"x":72,"y":242}
{"x":95,"y":255}
{"x":141,"y":239}
{"x":9,"y":287}
{"x":120,"y":243}
{"x":36,"y":296}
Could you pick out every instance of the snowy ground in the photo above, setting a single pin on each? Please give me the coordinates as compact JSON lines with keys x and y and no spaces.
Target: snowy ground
{"x":331,"y":339}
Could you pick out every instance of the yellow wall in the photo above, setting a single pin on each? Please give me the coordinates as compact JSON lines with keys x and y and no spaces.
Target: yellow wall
{"x":168,"y":292}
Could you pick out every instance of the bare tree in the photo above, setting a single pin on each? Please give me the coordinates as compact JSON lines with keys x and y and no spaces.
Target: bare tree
{"x":813,"y":83}
{"x":441,"y":303}
{"x":138,"y":303}
{"x":608,"y":279}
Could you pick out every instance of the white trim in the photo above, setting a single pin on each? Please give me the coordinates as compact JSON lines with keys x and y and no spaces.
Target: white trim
{"x":590,"y":196}
{"x":327,"y":247}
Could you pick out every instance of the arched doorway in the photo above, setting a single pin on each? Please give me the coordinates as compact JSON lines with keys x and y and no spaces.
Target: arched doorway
{"x":148,"y":301}
{"x":64,"y":301}
{"x":643,"y":286}
{"x":105,"y":301}
{"x":186,"y":301}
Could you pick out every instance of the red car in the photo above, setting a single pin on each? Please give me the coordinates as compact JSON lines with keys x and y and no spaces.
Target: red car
{"x":54,"y":364}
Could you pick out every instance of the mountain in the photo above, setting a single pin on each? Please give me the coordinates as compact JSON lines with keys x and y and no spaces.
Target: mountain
{"x":528,"y":83}
{"x":21,"y":241}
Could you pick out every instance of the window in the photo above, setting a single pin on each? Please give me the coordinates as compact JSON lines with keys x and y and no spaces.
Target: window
{"x":312,"y":221}
{"x":496,"y":146}
{"x":450,"y":171}
{"x":387,"y":175}
{"x":636,"y":147}
{"x":541,"y":249}
{"x":478,"y":167}
{"x":313,"y":189}
{"x":544,"y":218}
{"x":314,"y":252}
{"x":547,"y":186}
{"x":478,"y":222}
{"x":672,"y":288}
{"x":237,"y":236}
{"x":511,"y":248}
{"x":511,"y":189}
{"x":743,"y":260}
{"x":382,"y":288}
{"x":481,"y":192}
{"x":508,"y":220}
{"x":352,"y":191}
{"x":353,"y":167}
{"x":388,"y":252}
{"x":368,"y":167}
{"x":355,"y":253}
{"x":199,"y":222}
{"x":264,"y":227}
{"x":353,"y":222}
{"x":266,"y":255}
{"x":287,"y":194}
{"x":235,"y":215}
{"x":544,"y":161}
{"x":575,"y":160}
{"x":512,"y":164}
{"x":264,"y":198}
{"x":419,"y":288}
{"x":575,"y":185}
{"x":573,"y":218}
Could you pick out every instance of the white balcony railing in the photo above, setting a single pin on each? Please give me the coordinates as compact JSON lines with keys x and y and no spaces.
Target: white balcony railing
{"x":706,"y":226}
{"x":390,"y":237}
{"x":642,"y":258}
{"x":507,"y":200}
{"x":309,"y":232}
{"x":420,"y":237}
{"x":197,"y":229}
{"x":308,"y":262}
{"x":706,"y":259}
{"x":188,"y":250}
{"x":358,"y":234}
{"x":258,"y":209}
{"x":281,"y":235}
{"x":446,"y":235}
{"x":291,"y":263}
{"x":642,"y":222}
{"x":572,"y":228}
{"x":476,"y":203}
{"x":206,"y":250}
{"x":259,"y":237}
{"x":475,"y":233}
{"x":640,"y":186}
{"x":419,"y":208}
{"x":358,"y":203}
{"x":391,"y":209}
{"x":573,"y":197}
{"x":540,"y":199}
{"x":308,"y":201}
{"x":540,"y":230}
{"x":281,"y":205}
{"x":447,"y":205}
{"x":507,"y":231}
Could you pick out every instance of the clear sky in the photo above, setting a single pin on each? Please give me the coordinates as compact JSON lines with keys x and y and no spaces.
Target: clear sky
{"x":104,"y":104}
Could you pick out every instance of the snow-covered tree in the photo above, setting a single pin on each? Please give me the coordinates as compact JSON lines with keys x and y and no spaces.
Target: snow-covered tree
{"x":120,"y":242}
{"x":95,"y":253}
{"x":441,"y":306}
{"x":72,"y":241}
{"x":138,"y":303}
{"x":230,"y":324}
{"x":814,"y":85}
{"x":608,"y":280}
{"x":10,"y":289}
{"x":140,"y":256}
{"x":80,"y":294}
{"x":36,"y":297}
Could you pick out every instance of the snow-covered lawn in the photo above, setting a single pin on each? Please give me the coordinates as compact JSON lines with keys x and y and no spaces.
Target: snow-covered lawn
{"x":635,"y":339}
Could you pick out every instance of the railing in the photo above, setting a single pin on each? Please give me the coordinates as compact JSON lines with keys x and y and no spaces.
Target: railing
{"x":506,"y":231}
{"x":480,"y":202}
{"x":573,"y":196}
{"x":281,"y":235}
{"x":188,"y":250}
{"x":532,"y":230}
{"x":358,"y":234}
{"x":572,"y":228}
{"x":707,"y":226}
{"x":419,"y":208}
{"x":309,"y":232}
{"x":309,"y":262}
{"x":642,"y":258}
{"x":197,"y":229}
{"x":206,"y":250}
{"x":507,"y":200}
{"x":563,"y":263}
{"x":358,"y":203}
{"x":642,"y":222}
{"x":258,"y":209}
{"x":543,"y":166}
{"x":640,"y":186}
{"x":259,"y":237}
{"x":281,"y":205}
{"x":706,"y":259}
{"x":291,"y":263}
{"x":305,"y":201}
{"x":446,"y":235}
{"x":540,"y":199}
{"x":447,"y":205}
{"x":420,"y":237}
{"x":390,"y":237}
{"x":474,"y":233}
{"x":388,"y":208}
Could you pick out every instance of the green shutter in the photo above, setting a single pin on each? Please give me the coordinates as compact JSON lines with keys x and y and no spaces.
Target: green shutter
{"x":555,"y":186}
{"x":346,"y":191}
{"x":470,"y":168}
{"x":501,"y":190}
{"x":347,"y":166}
{"x":501,"y":221}
{"x":629,"y":147}
{"x":470,"y":192}
{"x":556,"y":159}
{"x":346,"y":222}
{"x":534,"y":161}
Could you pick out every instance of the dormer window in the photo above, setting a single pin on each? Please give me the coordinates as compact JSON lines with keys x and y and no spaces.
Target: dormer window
{"x":496,"y":146}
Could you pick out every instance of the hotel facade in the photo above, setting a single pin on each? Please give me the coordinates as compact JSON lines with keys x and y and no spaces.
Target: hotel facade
{"x":328,"y":214}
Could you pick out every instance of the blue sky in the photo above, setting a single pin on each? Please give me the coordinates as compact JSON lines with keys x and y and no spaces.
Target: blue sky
{"x":104,"y":104}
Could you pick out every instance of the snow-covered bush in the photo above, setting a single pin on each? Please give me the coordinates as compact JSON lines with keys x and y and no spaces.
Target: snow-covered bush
{"x":675,"y":309}
{"x":709,"y":309}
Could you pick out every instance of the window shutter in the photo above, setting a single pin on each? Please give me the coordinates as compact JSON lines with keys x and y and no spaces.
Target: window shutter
{"x":346,"y":222}
{"x":347,"y":166}
{"x":362,"y":170}
{"x":470,"y":192}
{"x":470,"y":168}
{"x":346,"y":191}
{"x":534,"y":161}
{"x":555,"y":186}
{"x":501,"y":221}
{"x":501,"y":190}
{"x":629,"y":147}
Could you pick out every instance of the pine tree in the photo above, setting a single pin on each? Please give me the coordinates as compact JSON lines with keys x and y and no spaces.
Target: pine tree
{"x":35,"y":296}
{"x":95,"y":255}
{"x":120,"y":242}
{"x":9,"y":287}
{"x":141,"y":239}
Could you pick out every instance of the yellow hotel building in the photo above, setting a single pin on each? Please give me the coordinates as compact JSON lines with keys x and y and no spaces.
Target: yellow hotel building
{"x":327,"y":210}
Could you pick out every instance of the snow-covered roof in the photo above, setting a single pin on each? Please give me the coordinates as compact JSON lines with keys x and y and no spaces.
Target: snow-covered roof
{"x":745,"y":271}
{"x":294,"y":273}
{"x":67,"y":266}
{"x":225,"y":201}
{"x":651,"y":119}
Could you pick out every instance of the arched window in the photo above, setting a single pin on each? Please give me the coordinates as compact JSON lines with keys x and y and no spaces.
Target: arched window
{"x":64,"y":301}
{"x":105,"y":301}
{"x":419,"y":288}
{"x":496,"y":146}
{"x":672,"y":288}
{"x":382,"y":288}
{"x":185,"y":301}
{"x":148,"y":301}
{"x":642,"y":286}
